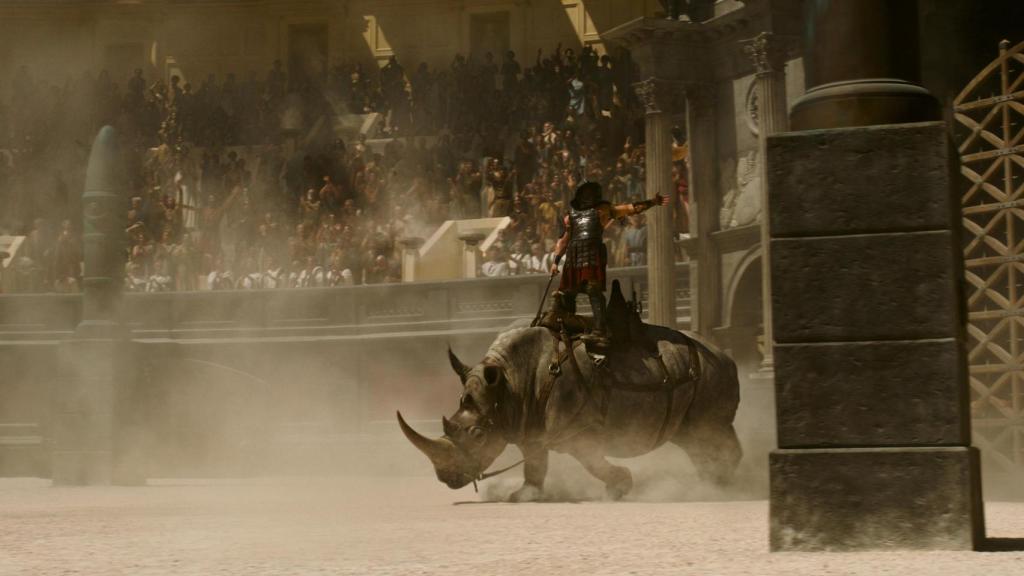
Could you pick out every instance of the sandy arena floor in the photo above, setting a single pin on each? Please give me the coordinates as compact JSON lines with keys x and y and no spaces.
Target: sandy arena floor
{"x":410,"y":526}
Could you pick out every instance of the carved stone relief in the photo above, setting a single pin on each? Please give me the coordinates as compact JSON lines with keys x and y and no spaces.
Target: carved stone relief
{"x":741,"y":205}
{"x":751,"y":109}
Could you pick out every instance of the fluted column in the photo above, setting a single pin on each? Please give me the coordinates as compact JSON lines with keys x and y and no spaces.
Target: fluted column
{"x":705,"y":269}
{"x":769,"y":56}
{"x":661,"y":100}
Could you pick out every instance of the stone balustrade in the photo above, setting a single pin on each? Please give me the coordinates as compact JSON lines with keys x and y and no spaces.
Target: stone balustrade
{"x":351,"y":310}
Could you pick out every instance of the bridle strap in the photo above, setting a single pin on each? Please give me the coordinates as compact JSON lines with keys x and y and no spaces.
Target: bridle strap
{"x":486,"y":475}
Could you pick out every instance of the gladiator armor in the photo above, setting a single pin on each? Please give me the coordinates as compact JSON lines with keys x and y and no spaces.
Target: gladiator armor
{"x":586,"y":224}
{"x":585,"y":238}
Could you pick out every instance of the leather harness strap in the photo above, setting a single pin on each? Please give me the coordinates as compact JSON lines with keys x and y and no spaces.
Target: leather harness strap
{"x":695,"y":372}
{"x":670,"y":396}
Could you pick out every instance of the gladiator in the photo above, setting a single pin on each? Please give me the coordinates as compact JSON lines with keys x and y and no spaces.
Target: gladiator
{"x":586,"y":257}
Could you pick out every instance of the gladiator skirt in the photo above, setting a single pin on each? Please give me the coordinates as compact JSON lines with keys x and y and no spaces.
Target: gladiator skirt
{"x":585,"y":264}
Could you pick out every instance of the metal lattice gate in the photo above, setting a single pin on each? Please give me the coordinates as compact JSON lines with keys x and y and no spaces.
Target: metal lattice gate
{"x":990,"y":130}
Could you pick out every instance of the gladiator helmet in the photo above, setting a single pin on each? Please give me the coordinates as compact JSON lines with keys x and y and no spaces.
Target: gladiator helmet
{"x":588,"y":195}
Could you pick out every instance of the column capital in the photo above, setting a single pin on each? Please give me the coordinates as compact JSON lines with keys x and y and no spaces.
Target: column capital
{"x":411,"y":242}
{"x":471,"y":239}
{"x":661,"y":96}
{"x":768,"y":52}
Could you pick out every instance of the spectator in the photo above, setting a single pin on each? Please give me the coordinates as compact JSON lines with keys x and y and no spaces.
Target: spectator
{"x":274,"y":275}
{"x":538,"y":261}
{"x":635,"y":237}
{"x":496,"y":265}
{"x":380,"y":271}
{"x":328,"y":207}
{"x":219,"y":278}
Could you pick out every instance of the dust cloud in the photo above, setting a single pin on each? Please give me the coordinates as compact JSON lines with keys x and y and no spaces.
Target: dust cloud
{"x":302,"y":410}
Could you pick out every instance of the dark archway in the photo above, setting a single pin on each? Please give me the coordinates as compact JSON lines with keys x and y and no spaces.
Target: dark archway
{"x":743,"y":314}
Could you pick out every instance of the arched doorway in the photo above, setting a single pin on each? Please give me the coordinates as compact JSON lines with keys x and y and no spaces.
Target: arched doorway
{"x":755,"y":418}
{"x":743,"y":314}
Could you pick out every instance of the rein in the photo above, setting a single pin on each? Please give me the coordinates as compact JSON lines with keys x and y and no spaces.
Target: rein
{"x":485,"y":475}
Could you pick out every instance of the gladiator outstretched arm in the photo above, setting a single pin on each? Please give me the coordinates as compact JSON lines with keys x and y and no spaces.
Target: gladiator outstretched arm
{"x":608,"y":213}
{"x":622,"y":210}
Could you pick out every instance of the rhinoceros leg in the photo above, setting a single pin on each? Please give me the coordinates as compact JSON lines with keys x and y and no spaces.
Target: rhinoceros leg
{"x":713,"y":448}
{"x":618,"y":481}
{"x":535,"y":468}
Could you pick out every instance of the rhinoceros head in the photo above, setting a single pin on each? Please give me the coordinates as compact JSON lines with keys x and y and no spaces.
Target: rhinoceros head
{"x":471,"y":440}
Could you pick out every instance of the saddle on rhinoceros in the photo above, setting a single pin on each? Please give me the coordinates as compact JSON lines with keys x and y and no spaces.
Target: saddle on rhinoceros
{"x":540,"y":389}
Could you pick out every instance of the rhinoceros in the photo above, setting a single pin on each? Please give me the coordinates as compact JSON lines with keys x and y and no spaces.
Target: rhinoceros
{"x":530,"y":392}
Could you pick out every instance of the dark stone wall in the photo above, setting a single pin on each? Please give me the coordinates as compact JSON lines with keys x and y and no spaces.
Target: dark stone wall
{"x":960,"y":37}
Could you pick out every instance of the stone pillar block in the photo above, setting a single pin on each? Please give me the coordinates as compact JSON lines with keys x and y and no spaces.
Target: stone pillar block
{"x":870,"y":498}
{"x":870,"y":367}
{"x":866,"y":180}
{"x":866,"y":286}
{"x":871,"y":394}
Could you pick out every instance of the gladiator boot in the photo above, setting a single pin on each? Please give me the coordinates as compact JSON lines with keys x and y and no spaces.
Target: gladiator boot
{"x":598,"y":338}
{"x":568,"y":302}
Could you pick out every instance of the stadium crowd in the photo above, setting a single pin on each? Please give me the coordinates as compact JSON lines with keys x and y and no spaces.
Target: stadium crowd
{"x":238,"y":184}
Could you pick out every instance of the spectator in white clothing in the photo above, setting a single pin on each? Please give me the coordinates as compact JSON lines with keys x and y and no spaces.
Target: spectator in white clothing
{"x":538,"y":261}
{"x":496,"y":265}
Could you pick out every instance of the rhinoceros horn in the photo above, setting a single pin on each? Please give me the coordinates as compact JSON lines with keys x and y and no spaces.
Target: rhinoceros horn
{"x":440,"y":451}
{"x":457,"y":365}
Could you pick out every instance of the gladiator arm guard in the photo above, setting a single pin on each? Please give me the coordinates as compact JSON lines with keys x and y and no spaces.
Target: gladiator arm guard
{"x":644,"y":205}
{"x":558,"y":259}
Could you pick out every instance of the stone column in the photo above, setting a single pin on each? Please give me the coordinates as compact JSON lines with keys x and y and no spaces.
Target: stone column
{"x":661,"y":99}
{"x":870,"y":363}
{"x":470,"y":253}
{"x":410,"y":257}
{"x":861,"y":65}
{"x":92,"y":363}
{"x":769,"y":56}
{"x":705,"y":267}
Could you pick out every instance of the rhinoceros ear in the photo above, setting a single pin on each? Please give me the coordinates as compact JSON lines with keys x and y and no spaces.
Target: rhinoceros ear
{"x":449,"y":427}
{"x":492,"y":374}
{"x":461,"y":369}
